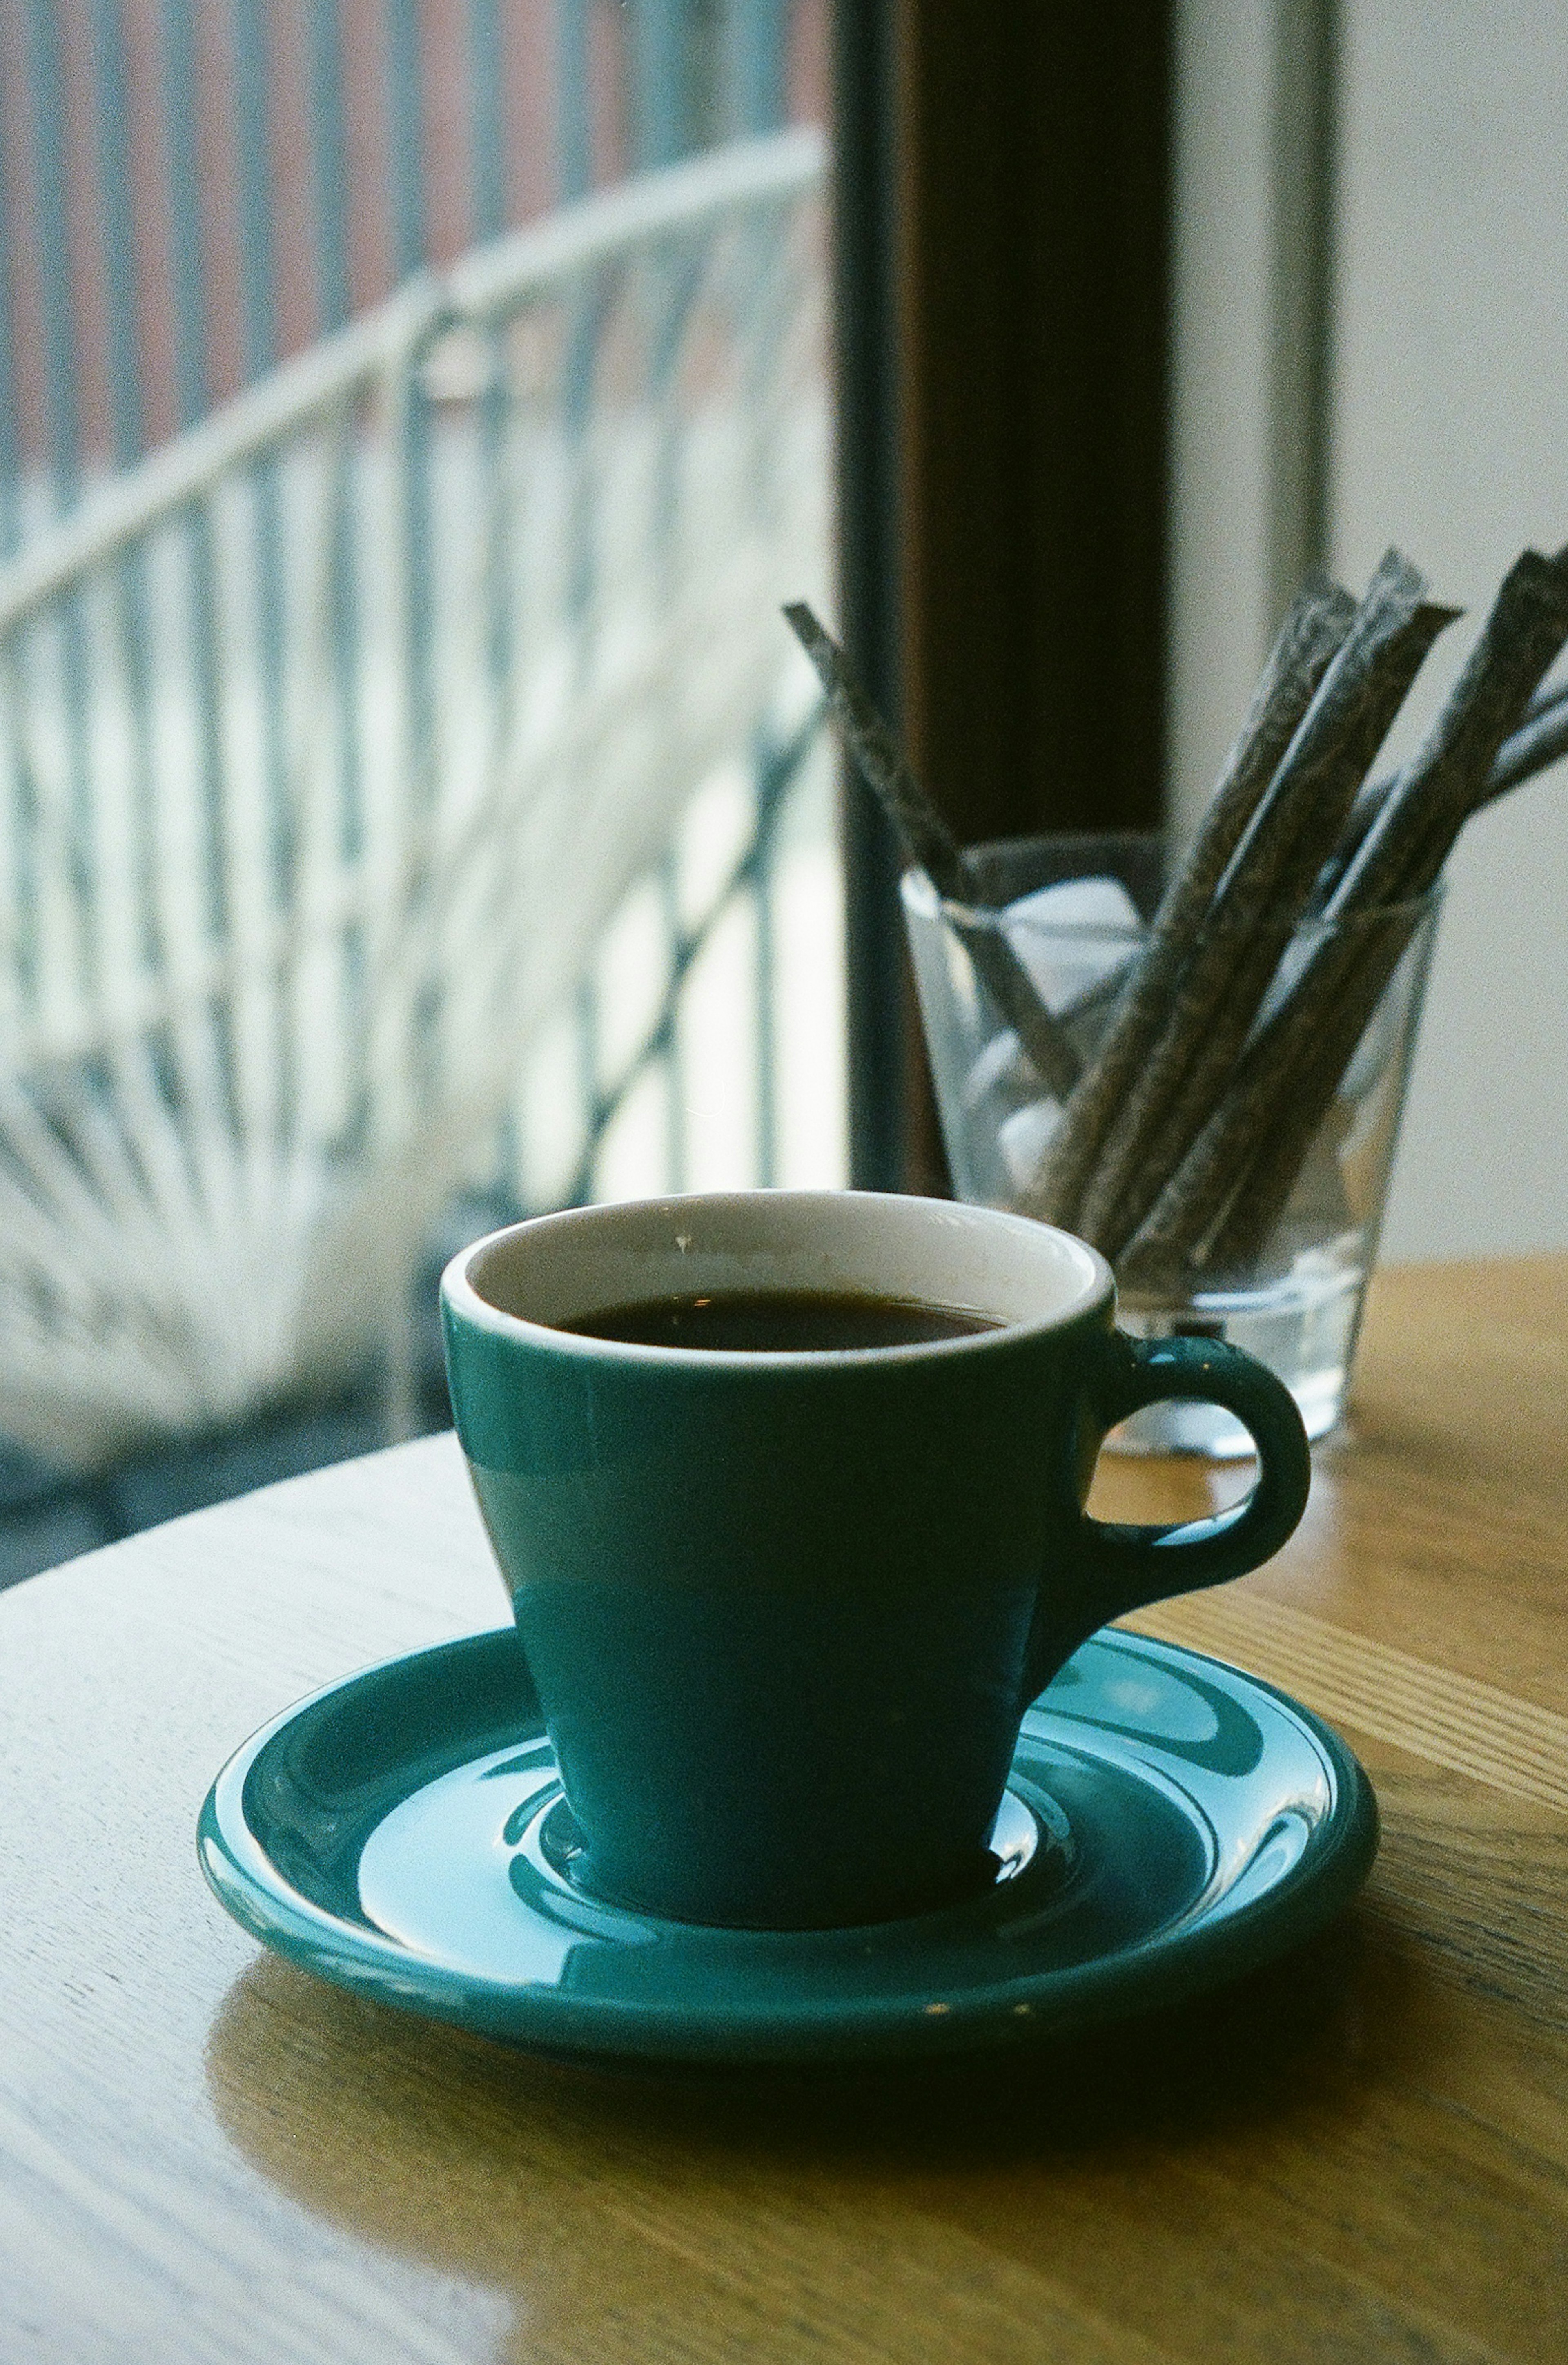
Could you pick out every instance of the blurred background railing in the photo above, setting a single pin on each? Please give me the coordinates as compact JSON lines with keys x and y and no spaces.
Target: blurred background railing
{"x":409,"y":812}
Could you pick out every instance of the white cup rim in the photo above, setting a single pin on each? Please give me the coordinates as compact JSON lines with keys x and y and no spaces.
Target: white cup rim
{"x":522,"y":1280}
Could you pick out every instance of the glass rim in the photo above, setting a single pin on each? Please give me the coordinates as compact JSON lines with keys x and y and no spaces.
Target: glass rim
{"x":919,"y":894}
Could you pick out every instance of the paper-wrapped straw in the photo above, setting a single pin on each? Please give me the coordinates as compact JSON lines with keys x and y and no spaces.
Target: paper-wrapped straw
{"x":1320,"y":619}
{"x":1540,"y":740}
{"x":1223,"y":1198}
{"x":932,"y":848}
{"x":1181,"y":1140}
{"x":1254,"y":913}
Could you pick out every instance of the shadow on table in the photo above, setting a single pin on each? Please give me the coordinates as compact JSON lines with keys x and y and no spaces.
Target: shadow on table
{"x":612,"y":2192}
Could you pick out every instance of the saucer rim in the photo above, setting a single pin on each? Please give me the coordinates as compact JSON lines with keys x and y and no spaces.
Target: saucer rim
{"x":1165,"y":1968}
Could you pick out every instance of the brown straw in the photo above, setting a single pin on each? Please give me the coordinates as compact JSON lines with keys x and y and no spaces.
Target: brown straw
{"x":1319,"y":621}
{"x":1254,"y":913}
{"x":1246,"y":1155}
{"x":1217,"y":1170}
{"x":1540,"y":739}
{"x":1408,"y":843}
{"x":1538,"y":743}
{"x":931,"y":846}
{"x":1182,"y":1141}
{"x":1300,"y":1107}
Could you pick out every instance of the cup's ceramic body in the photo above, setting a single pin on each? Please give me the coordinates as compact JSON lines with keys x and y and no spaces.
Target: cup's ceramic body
{"x":785,"y":1611}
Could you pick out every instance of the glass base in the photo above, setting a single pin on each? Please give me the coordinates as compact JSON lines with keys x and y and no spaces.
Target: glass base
{"x":1302,"y":1326}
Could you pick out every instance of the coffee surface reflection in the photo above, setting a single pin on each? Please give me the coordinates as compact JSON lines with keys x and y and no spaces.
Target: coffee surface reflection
{"x":780,"y":1321}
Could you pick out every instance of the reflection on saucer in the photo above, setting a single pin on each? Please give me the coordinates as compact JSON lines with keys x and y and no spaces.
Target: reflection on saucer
{"x":1172,"y":1824}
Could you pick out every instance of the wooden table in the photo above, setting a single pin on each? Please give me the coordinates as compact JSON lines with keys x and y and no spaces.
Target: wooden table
{"x":203,"y":2154}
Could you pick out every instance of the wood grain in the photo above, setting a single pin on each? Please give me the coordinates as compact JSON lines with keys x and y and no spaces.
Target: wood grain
{"x":205,"y":2155}
{"x":1449,"y":1719}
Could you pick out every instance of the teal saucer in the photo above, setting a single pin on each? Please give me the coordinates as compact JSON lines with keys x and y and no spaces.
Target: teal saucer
{"x":1169,"y":1824}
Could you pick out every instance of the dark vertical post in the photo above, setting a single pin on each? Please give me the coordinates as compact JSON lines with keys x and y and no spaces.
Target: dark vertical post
{"x":1035,"y":493}
{"x":1003,"y":218}
{"x":865,"y":291}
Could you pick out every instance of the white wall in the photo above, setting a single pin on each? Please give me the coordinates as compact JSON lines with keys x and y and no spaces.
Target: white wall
{"x":1449,"y":435}
{"x":1221,"y":515}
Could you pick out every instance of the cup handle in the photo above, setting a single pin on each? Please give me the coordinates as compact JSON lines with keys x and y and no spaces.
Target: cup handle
{"x":1125,"y":1567}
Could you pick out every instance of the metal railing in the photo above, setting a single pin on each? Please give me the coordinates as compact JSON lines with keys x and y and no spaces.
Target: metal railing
{"x":193,"y":190}
{"x":749,"y":877}
{"x":330,"y":738}
{"x":777,"y":871}
{"x":340,"y":737}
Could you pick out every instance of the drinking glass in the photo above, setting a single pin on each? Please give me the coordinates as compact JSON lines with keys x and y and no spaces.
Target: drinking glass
{"x":1295,"y":1300}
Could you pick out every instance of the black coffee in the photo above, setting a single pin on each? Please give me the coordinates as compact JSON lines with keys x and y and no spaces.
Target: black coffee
{"x":774,"y":1321}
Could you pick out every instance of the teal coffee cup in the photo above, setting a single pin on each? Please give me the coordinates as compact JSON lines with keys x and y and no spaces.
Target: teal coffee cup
{"x":785,"y":1604}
